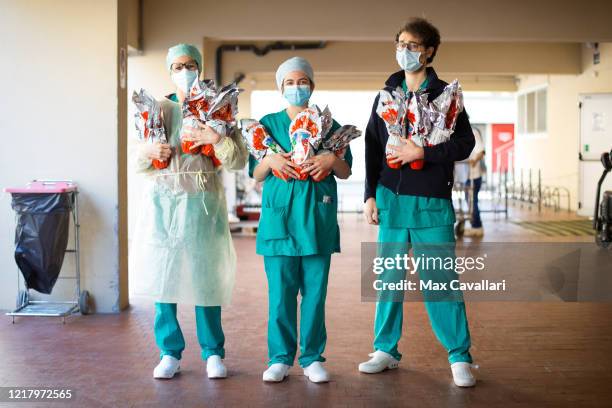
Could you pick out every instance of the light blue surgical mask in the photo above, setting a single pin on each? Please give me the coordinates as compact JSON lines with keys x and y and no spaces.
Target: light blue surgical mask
{"x":297,"y":95}
{"x":184,"y":79}
{"x":408,"y":60}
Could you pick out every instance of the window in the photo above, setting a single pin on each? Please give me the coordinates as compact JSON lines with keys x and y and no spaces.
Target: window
{"x":532,"y":112}
{"x":541,"y":110}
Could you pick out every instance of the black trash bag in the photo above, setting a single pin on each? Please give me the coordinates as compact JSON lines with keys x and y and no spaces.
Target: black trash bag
{"x":41,"y":237}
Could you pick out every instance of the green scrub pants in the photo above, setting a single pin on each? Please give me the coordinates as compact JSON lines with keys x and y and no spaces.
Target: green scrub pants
{"x":288,"y":276}
{"x":169,"y":337}
{"x":448,"y":319}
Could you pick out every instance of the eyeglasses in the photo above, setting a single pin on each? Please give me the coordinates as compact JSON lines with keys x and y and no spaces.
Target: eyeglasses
{"x":411,"y":45}
{"x":190,"y":65}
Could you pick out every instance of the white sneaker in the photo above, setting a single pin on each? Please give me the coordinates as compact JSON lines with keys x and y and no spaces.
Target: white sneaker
{"x":276,"y":372}
{"x":215,"y":367}
{"x":316,"y":373}
{"x":167,"y":367}
{"x":473,"y":232}
{"x":380,"y":361}
{"x":462,"y":375}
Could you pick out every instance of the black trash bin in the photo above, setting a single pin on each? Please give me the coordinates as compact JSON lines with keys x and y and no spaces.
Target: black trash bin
{"x":41,"y":236}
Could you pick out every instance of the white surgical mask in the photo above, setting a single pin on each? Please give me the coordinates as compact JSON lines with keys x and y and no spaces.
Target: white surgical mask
{"x":184,"y":79}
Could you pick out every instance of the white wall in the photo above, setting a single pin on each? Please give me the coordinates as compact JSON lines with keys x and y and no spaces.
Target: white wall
{"x":61,"y":119}
{"x":490,"y":107}
{"x":556,"y":152}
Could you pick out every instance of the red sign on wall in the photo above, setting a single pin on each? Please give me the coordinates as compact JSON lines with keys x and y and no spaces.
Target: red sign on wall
{"x":502,"y":146}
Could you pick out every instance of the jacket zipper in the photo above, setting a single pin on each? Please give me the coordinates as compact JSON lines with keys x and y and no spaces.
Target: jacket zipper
{"x":399,"y":183}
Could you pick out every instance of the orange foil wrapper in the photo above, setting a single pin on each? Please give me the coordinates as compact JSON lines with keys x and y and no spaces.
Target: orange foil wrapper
{"x":211,"y":106}
{"x":149,"y":122}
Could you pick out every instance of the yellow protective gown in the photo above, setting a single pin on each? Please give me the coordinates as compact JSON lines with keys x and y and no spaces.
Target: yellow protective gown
{"x":181,"y":249}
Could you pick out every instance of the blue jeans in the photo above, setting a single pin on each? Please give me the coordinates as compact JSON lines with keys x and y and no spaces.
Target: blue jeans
{"x":475,"y":221}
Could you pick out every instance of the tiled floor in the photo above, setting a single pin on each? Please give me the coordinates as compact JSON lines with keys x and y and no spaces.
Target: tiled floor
{"x":531,"y":354}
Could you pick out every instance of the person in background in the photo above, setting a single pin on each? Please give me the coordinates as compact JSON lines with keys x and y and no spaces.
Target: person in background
{"x":298,"y":232}
{"x":477,"y":170}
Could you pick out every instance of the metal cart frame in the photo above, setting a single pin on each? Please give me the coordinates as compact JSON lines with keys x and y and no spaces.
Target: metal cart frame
{"x":56,"y":308}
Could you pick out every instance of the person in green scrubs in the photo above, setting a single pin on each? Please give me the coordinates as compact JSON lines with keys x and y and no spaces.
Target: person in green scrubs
{"x":413,"y":208}
{"x":298,"y":232}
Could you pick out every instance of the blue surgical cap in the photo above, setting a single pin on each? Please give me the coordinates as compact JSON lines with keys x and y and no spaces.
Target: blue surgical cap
{"x":183,"y":49}
{"x":293,"y":64}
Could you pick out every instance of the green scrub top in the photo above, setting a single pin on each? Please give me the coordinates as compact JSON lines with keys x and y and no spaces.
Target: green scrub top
{"x":298,"y":218}
{"x":409,"y":211}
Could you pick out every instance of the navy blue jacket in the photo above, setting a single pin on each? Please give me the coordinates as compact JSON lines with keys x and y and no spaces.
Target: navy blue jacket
{"x":435,"y":179}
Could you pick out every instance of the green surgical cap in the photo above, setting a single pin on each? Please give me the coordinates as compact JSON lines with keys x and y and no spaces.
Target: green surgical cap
{"x":184,"y":49}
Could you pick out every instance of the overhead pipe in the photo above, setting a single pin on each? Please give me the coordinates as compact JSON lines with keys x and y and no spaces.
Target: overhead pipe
{"x":260,"y":52}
